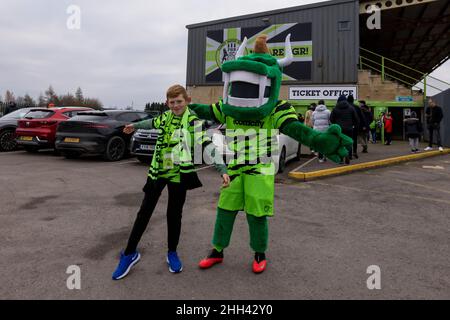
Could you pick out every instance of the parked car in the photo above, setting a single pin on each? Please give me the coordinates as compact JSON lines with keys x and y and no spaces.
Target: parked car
{"x":37,"y":130}
{"x":8,"y":125}
{"x":143,"y":145}
{"x":97,"y":132}
{"x":288,"y":148}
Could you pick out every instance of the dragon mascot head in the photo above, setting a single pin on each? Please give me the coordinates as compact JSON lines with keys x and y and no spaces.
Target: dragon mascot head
{"x":252,"y":82}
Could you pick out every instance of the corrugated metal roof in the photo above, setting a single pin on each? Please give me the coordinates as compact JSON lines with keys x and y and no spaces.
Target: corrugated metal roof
{"x":266,"y":13}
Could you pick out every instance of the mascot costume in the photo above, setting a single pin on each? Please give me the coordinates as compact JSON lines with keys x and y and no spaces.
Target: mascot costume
{"x":253,"y":115}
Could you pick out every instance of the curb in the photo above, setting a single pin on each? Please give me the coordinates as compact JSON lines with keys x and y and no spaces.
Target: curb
{"x":306,"y":176}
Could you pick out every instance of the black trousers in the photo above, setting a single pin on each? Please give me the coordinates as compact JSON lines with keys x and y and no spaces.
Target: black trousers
{"x":177,"y":197}
{"x":355,"y":140}
{"x":349,"y":133}
{"x":388,"y":137}
{"x":432,"y":130}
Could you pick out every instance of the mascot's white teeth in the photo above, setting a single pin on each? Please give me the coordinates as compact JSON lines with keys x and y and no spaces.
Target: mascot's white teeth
{"x":246,"y":103}
{"x":247,"y":77}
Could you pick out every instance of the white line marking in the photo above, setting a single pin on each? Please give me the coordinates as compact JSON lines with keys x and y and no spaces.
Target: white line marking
{"x":422,"y":185}
{"x":305,"y":164}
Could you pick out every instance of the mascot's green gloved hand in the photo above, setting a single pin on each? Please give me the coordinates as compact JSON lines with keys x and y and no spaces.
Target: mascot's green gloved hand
{"x":332,"y":143}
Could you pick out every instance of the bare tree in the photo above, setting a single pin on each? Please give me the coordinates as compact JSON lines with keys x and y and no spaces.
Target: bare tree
{"x":79,"y":96}
{"x":9,"y":97}
{"x":51,"y":96}
{"x":29,"y":101}
{"x":68,"y":100}
{"x":42,"y":103}
{"x":93,"y":103}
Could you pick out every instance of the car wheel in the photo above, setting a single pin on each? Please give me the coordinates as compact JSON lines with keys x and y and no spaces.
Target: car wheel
{"x":8,"y":140}
{"x":115,"y":149}
{"x":299,"y":152}
{"x":71,"y":154}
{"x":145,"y":159}
{"x":282,"y":160}
{"x":31,"y":149}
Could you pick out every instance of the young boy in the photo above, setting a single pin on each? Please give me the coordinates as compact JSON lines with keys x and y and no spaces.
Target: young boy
{"x":179,"y":176}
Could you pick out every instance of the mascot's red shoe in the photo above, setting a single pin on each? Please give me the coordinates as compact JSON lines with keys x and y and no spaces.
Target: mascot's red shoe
{"x":214,"y":257}
{"x":260,"y":263}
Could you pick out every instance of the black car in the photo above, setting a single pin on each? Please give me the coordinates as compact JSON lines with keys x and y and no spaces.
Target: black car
{"x":97,"y":132}
{"x":143,"y":144}
{"x":8,"y":125}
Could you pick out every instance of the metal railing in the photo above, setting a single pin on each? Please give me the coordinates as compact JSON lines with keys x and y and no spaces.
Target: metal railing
{"x":391,"y":69}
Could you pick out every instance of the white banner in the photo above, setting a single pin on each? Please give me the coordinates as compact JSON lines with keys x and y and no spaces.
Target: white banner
{"x":322,"y":92}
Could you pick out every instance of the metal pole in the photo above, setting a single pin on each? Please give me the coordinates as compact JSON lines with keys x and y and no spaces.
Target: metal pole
{"x":424,"y":89}
{"x":382,"y":68}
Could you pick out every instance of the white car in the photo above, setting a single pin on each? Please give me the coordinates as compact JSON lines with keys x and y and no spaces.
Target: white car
{"x":288,"y":148}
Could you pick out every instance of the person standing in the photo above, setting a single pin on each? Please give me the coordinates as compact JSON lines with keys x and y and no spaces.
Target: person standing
{"x":387,"y":119}
{"x":368,"y":119}
{"x":308,"y":118}
{"x":434,"y":116}
{"x":373,"y":131}
{"x":308,"y":115}
{"x":345,"y":116}
{"x":321,"y":122}
{"x":360,"y":127}
{"x":172,"y":166}
{"x":413,"y":130}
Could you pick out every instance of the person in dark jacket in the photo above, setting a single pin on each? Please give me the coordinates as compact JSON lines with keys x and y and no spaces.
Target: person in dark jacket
{"x":345,"y":116}
{"x":368,"y":118}
{"x":434,"y":116}
{"x":413,"y":130}
{"x":361,"y":126}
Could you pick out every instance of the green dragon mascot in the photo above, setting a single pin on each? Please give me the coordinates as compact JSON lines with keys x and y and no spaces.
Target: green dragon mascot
{"x":253,"y":115}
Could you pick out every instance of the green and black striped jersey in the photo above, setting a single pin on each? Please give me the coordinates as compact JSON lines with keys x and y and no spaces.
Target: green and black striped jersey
{"x":253,"y":143}
{"x":166,"y":162}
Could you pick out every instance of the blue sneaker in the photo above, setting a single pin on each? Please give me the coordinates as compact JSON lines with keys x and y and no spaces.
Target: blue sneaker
{"x":174,"y":262}
{"x":125,"y":264}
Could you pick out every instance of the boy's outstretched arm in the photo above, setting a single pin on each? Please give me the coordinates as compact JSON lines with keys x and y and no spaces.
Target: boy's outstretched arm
{"x":144,"y":124}
{"x":331,"y":143}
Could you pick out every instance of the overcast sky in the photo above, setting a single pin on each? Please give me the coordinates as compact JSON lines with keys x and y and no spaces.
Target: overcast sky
{"x":124,"y":52}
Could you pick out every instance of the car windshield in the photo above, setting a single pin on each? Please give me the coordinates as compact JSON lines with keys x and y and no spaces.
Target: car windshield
{"x":39,"y":114}
{"x":18,"y":114}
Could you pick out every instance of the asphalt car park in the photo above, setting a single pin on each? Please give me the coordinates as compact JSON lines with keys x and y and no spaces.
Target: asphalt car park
{"x":57,"y":213}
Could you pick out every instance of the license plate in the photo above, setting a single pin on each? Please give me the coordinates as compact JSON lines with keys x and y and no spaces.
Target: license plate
{"x":72,"y":140}
{"x":26,"y":138}
{"x":147,"y":147}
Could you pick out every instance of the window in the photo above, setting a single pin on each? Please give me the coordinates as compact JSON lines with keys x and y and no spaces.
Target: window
{"x":73,"y":113}
{"x":128,"y":117}
{"x":39,"y":114}
{"x":344,"y":25}
{"x":144,"y":116}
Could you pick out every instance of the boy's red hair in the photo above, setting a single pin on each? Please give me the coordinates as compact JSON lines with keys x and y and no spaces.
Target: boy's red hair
{"x":175,"y":90}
